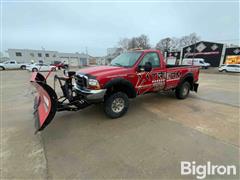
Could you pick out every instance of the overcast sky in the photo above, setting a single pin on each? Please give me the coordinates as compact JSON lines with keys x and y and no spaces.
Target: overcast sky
{"x":70,"y":27}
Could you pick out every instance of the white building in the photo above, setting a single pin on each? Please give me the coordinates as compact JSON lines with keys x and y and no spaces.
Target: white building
{"x":74,"y":59}
{"x":101,"y":61}
{"x":29,"y":55}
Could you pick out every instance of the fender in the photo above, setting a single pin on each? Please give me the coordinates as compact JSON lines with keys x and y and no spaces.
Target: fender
{"x":122,"y":85}
{"x":187,"y":77}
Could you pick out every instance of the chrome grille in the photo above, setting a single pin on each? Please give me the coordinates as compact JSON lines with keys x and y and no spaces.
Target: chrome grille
{"x":81,"y":81}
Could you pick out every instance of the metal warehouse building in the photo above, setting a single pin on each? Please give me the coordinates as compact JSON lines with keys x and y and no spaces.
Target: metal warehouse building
{"x":212,"y":52}
{"x":29,"y":55}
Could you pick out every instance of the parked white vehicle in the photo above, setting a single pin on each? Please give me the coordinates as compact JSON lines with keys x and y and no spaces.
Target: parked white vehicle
{"x":40,"y":67}
{"x":195,"y":62}
{"x":12,"y":65}
{"x":229,"y":68}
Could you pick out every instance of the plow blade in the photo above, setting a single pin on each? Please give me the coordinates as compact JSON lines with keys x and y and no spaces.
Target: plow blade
{"x":45,"y":103}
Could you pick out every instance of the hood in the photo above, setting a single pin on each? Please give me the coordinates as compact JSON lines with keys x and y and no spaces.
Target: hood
{"x":99,"y":71}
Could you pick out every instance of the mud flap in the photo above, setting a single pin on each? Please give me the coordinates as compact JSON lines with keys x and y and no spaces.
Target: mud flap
{"x":45,"y":103}
{"x":195,"y":87}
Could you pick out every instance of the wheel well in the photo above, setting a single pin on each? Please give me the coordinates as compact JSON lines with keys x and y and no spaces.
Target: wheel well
{"x":2,"y":67}
{"x":34,"y":68}
{"x":189,"y":78}
{"x":120,"y":85}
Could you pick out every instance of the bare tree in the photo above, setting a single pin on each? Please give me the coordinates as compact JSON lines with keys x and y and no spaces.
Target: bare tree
{"x":141,"y":41}
{"x":165,"y":44}
{"x":124,"y":43}
{"x":188,"y":40}
{"x":175,"y":44}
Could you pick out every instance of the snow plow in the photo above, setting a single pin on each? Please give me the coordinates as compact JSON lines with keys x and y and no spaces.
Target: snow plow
{"x":47,"y":103}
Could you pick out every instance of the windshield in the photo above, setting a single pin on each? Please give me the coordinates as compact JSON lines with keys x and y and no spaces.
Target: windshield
{"x":126,"y":59}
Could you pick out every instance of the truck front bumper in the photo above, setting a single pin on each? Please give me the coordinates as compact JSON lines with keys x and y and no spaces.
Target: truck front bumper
{"x":91,"y":95}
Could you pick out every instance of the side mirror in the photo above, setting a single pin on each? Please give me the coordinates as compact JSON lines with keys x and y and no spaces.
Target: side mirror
{"x":148,"y":67}
{"x":140,"y":68}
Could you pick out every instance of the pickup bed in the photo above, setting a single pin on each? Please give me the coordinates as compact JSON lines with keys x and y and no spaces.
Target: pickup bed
{"x":129,"y":75}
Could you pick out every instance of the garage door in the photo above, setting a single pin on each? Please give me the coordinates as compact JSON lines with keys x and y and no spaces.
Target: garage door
{"x":83,"y":61}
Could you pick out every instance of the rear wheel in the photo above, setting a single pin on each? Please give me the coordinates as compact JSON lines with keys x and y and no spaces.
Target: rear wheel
{"x":23,"y":67}
{"x":182,"y":90}
{"x":116,"y":105}
{"x":2,"y":68}
{"x":34,"y":70}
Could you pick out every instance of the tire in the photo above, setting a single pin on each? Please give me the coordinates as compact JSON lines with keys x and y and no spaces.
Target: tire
{"x":23,"y":67}
{"x":34,"y":70}
{"x":182,"y":90}
{"x":2,"y":68}
{"x":116,"y":105}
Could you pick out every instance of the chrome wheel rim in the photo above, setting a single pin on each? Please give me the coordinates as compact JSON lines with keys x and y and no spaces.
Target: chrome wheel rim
{"x":185,"y":90}
{"x":118,"y":105}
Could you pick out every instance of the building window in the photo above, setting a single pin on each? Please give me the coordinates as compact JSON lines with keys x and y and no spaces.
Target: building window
{"x":32,"y":54}
{"x":18,"y":54}
{"x":46,"y":55}
{"x":39,"y":55}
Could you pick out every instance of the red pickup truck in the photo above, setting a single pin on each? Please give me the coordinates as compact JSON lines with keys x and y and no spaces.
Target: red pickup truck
{"x":129,"y":75}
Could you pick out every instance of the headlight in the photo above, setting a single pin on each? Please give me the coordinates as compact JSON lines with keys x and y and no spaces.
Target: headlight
{"x":93,"y":84}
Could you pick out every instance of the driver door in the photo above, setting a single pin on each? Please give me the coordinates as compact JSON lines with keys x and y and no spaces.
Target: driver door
{"x":153,"y":80}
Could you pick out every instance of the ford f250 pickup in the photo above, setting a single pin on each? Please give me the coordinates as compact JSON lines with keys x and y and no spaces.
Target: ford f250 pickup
{"x":129,"y":75}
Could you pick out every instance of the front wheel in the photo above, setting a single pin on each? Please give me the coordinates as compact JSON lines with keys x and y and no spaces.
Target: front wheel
{"x":2,"y":68}
{"x":182,"y":90}
{"x":116,"y":105}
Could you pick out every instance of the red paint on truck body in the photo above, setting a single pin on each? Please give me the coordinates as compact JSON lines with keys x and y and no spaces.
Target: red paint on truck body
{"x":160,"y":78}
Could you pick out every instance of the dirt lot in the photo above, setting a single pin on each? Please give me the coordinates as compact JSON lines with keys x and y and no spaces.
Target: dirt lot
{"x":149,"y":142}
